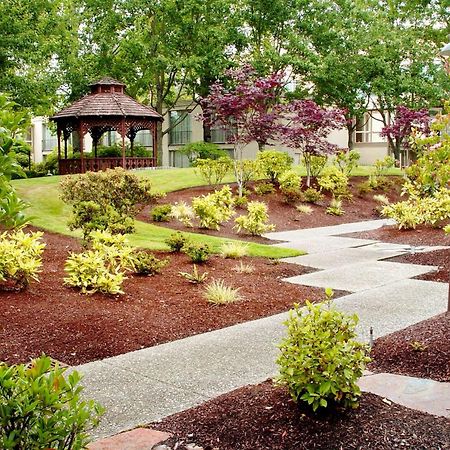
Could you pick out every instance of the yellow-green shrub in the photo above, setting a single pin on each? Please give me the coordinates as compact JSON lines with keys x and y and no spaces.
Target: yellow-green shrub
{"x":334,"y":181}
{"x":290,"y":186}
{"x":20,"y":258}
{"x":255,"y":222}
{"x":101,"y":268}
{"x":213,"y":209}
{"x":320,"y":360}
{"x":273,"y":163}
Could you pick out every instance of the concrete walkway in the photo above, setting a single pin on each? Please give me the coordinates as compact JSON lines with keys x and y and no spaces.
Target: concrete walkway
{"x":143,"y":386}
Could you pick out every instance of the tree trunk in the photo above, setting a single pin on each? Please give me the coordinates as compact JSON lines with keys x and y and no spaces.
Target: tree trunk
{"x":350,"y":129}
{"x":206,"y":132}
{"x":261,"y":146}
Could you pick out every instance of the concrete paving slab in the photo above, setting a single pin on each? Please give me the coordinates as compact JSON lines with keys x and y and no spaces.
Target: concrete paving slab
{"x":395,"y":306}
{"x":421,"y":394}
{"x":211,"y":363}
{"x":361,"y":276}
{"x":130,"y":398}
{"x":344,"y":256}
{"x":333,"y":230}
{"x":324,"y":244}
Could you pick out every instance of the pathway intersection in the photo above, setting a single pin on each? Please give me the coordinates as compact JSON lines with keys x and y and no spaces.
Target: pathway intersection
{"x":147,"y":385}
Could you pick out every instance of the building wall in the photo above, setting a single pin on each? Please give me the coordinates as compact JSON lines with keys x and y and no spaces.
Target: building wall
{"x":372,"y":148}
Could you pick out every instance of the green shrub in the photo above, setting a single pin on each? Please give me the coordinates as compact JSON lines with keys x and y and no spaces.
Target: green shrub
{"x":364,"y":188}
{"x":320,"y":360}
{"x":90,"y":216}
{"x":233,"y":250}
{"x":197,"y":251}
{"x":290,"y":186}
{"x":382,"y":166}
{"x":240,"y":202}
{"x":176,"y":241}
{"x":102,"y":268}
{"x":202,"y":150}
{"x":213,"y":171}
{"x":40,"y":408}
{"x":312,"y":195}
{"x":347,"y":161}
{"x":405,"y":214}
{"x":183,"y":213}
{"x":317,"y":164}
{"x":161,"y":213}
{"x":147,"y":264}
{"x":20,"y":259}
{"x":255,"y":222}
{"x":106,"y":200}
{"x":334,"y":181}
{"x":264,"y":189}
{"x":213,"y":209}
{"x":194,"y":277}
{"x":335,"y":208}
{"x":218,"y":293}
{"x":273,"y":163}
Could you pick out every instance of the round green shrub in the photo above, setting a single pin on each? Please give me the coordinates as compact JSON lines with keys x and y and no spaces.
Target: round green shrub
{"x":320,"y":360}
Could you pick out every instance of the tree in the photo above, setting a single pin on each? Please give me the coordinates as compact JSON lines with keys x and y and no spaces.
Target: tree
{"x":399,"y":131}
{"x":28,"y":36}
{"x":308,"y":128}
{"x":11,"y":207}
{"x":402,"y":44}
{"x":249,"y":111}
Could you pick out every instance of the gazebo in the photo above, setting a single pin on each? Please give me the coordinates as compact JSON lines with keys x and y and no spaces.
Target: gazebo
{"x":105,"y":108}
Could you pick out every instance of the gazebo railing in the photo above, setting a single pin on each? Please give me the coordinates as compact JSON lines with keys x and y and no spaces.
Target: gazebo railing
{"x":72,"y":166}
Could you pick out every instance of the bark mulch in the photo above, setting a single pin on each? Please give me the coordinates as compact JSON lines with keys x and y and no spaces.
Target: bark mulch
{"x":263,"y":417}
{"x":421,"y":350}
{"x":75,"y":328}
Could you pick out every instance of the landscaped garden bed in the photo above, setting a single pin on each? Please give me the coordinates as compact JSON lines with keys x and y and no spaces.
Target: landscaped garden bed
{"x":75,"y":328}
{"x":265,"y":417}
{"x":284,"y":215}
{"x":421,"y":350}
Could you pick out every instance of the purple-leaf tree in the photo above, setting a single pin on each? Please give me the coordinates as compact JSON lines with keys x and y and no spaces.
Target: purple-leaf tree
{"x":307,"y":129}
{"x":248,"y":111}
{"x":400,"y":130}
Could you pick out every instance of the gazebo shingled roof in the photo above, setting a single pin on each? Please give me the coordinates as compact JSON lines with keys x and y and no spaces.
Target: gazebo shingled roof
{"x":105,"y":108}
{"x":107,"y":98}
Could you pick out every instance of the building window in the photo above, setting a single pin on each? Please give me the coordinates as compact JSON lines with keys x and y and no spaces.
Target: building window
{"x":368,"y":128}
{"x":49,"y":140}
{"x":180,"y":123}
{"x":220,"y":135}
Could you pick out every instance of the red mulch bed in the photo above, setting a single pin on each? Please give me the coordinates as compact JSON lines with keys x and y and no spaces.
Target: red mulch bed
{"x":263,"y":417}
{"x":285,"y":216}
{"x":75,"y":328}
{"x":394,"y":352}
{"x":422,"y":236}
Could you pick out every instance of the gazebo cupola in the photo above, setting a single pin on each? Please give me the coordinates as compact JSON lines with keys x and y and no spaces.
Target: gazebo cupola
{"x":106,"y":108}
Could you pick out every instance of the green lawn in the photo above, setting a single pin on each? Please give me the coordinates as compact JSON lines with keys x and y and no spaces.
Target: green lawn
{"x":50,"y":213}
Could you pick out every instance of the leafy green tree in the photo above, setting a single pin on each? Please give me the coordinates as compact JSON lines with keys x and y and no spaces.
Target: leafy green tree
{"x":28,"y":36}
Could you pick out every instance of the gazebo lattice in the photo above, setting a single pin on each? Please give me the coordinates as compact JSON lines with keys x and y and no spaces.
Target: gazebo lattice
{"x":105,"y":108}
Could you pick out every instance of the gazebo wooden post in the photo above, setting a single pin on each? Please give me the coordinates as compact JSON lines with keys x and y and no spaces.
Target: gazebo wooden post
{"x":155,"y":144}
{"x":81,"y":144}
{"x":58,"y":134}
{"x":122,"y":133}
